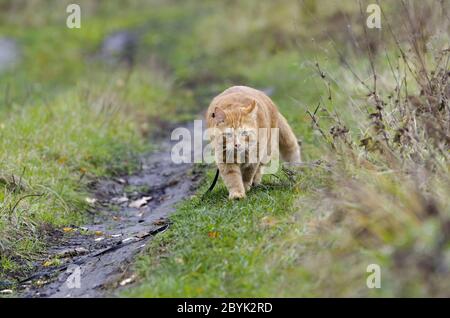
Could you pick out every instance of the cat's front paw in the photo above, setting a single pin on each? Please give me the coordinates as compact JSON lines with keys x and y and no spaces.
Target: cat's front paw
{"x":236,"y":195}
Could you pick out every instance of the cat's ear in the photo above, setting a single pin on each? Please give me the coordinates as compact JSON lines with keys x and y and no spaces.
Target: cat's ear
{"x":250,"y":107}
{"x":218,"y":115}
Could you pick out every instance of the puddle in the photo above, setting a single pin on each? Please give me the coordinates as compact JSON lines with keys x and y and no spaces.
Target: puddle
{"x":128,"y":212}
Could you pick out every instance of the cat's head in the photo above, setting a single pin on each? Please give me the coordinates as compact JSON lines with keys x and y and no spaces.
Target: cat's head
{"x":235,"y":125}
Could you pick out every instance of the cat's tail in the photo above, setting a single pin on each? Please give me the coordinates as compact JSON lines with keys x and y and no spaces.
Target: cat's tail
{"x":289,"y":146}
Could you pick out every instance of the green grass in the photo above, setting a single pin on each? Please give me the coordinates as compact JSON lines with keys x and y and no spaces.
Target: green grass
{"x":54,"y":149}
{"x":308,"y":239}
{"x":67,"y":119}
{"x":221,"y":248}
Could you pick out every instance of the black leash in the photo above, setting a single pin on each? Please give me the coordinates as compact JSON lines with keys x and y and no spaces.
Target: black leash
{"x":288,"y":172}
{"x":213,"y":184}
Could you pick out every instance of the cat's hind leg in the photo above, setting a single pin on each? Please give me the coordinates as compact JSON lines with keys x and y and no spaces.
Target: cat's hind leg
{"x":248,"y":173}
{"x":258,"y":175}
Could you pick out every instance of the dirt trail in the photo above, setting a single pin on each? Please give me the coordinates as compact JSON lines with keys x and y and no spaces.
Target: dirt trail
{"x":118,"y":231}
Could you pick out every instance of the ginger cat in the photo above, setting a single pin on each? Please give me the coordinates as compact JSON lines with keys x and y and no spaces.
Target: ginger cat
{"x":236,"y":120}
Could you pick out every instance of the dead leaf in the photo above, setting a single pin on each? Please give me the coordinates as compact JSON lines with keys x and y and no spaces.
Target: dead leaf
{"x":160,"y":222}
{"x":213,"y":234}
{"x":128,"y":280}
{"x":68,"y":230}
{"x":129,"y":239}
{"x":98,"y":233}
{"x":140,"y":202}
{"x":120,"y":200}
{"x":91,"y":200}
{"x":51,"y":262}
{"x":41,"y":282}
{"x":121,"y":180}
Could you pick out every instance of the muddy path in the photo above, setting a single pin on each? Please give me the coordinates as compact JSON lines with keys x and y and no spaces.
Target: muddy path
{"x":94,"y":260}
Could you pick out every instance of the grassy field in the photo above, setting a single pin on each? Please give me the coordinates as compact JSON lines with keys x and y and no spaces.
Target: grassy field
{"x":374,"y":189}
{"x":315,"y":234}
{"x":66,"y":118}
